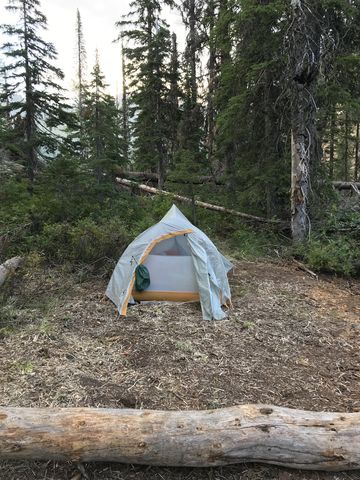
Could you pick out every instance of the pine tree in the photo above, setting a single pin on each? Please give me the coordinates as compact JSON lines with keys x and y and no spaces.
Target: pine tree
{"x":191,"y":132}
{"x":339,"y":90}
{"x":252,"y":123}
{"x":148,"y":73}
{"x":125,"y":120}
{"x":174,"y":99}
{"x":34,"y":94}
{"x":212,"y":73}
{"x":101,"y":125}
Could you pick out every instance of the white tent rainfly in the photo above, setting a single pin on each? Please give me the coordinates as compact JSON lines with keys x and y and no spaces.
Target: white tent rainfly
{"x":183,"y":263}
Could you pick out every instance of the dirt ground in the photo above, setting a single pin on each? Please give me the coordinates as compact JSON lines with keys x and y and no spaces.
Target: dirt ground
{"x":291,"y":340}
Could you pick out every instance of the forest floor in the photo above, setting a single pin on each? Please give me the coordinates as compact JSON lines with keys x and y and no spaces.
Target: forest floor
{"x":291,"y":340}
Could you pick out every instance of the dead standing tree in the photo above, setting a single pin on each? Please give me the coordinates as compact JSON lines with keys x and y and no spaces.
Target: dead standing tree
{"x":304,"y":59}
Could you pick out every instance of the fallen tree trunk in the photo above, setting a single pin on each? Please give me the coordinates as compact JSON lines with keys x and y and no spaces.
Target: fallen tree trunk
{"x":198,"y":180}
{"x":338,"y":184}
{"x":8,"y":267}
{"x":140,"y":175}
{"x":247,"y":433}
{"x":209,"y":206}
{"x":345,"y":185}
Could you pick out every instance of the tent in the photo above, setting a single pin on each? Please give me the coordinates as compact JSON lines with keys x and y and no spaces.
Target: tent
{"x":183,"y":263}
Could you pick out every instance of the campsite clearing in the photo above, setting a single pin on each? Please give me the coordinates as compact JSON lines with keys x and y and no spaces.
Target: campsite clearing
{"x":291,"y":340}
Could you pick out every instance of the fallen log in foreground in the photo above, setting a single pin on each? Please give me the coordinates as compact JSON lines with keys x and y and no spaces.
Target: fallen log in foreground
{"x":8,"y":267}
{"x":247,"y":433}
{"x":209,"y":206}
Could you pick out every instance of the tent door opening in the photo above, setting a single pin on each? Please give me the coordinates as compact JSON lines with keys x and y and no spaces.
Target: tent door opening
{"x":172,"y":276}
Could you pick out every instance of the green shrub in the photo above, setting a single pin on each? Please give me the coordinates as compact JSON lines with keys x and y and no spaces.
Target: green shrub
{"x":92,"y":241}
{"x":331,"y":255}
{"x":86,"y":241}
{"x":250,"y":243}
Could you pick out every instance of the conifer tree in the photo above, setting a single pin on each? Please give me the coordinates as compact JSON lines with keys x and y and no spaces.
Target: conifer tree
{"x":125,"y":120}
{"x":101,"y":125}
{"x":252,"y":123}
{"x":191,"y":132}
{"x":148,"y":72}
{"x":212,"y":75}
{"x":174,"y":99}
{"x":339,"y":90}
{"x":33,"y":94}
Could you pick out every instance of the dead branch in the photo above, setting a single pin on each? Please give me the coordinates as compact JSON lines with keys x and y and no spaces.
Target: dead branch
{"x":305,"y":268}
{"x":198,"y":180}
{"x":339,"y":185}
{"x":209,"y":206}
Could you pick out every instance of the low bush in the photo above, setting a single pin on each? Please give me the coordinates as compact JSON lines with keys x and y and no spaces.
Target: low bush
{"x":338,"y":255}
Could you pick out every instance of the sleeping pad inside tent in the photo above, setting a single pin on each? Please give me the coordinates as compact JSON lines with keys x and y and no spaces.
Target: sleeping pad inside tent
{"x":183,"y":264}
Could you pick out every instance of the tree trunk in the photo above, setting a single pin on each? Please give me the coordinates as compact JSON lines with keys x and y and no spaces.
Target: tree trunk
{"x":212,"y":83}
{"x":332,"y":144}
{"x":247,"y":433}
{"x":125,"y":109}
{"x":192,"y":50}
{"x":346,"y":148}
{"x":304,"y":64}
{"x":80,"y":64}
{"x":357,"y":160}
{"x":29,"y":105}
{"x":8,"y":267}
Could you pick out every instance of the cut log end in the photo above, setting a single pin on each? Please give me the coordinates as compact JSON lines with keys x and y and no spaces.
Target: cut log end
{"x":9,"y":267}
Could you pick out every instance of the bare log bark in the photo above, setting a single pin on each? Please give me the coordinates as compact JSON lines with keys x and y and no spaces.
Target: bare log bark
{"x":209,"y":206}
{"x":247,"y":433}
{"x":8,"y":267}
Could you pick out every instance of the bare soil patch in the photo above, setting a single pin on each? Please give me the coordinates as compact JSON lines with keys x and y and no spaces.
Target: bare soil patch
{"x":290,"y":340}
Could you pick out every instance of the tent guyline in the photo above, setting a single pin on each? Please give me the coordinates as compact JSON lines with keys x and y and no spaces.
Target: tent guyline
{"x":247,"y":433}
{"x":155,"y":191}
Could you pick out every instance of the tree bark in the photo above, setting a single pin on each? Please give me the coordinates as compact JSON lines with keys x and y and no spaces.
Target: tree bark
{"x":346,"y":148}
{"x":212,"y":84}
{"x":357,"y":159}
{"x":209,"y":206}
{"x":125,"y":127}
{"x":247,"y":433}
{"x":332,"y":143}
{"x":8,"y":267}
{"x":304,"y":65}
